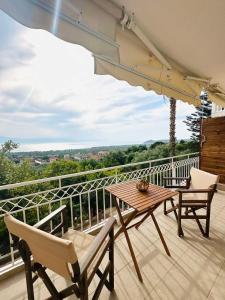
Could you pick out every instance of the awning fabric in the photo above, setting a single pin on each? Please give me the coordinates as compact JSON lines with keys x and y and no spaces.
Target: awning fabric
{"x":140,"y":68}
{"x":76,"y":21}
{"x":175,"y":48}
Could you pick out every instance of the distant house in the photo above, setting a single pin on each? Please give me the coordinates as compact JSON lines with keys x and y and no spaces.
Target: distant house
{"x":77,"y":158}
{"x":94,"y":156}
{"x":103,"y":153}
{"x":66,"y":157}
{"x":38,"y":162}
{"x":52,"y":158}
{"x":85,"y":156}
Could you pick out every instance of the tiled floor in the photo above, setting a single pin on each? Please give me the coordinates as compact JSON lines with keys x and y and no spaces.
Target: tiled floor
{"x":196,"y":269}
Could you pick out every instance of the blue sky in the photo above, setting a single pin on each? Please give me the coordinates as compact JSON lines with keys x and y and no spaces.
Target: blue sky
{"x":51,"y":99}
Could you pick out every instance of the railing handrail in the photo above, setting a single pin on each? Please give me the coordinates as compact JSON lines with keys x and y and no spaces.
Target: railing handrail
{"x":48,"y":179}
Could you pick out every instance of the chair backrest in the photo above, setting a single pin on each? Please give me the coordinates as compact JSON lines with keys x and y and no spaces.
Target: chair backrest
{"x":48,"y":250}
{"x":202,"y":180}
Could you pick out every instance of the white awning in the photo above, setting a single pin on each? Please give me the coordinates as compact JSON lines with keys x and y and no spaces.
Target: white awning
{"x":77,"y":21}
{"x":175,"y":48}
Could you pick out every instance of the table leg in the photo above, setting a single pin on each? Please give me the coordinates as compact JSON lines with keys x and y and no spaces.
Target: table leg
{"x":126,"y":223}
{"x":128,"y":239}
{"x":148,"y":213}
{"x":160,"y":234}
{"x":143,"y":219}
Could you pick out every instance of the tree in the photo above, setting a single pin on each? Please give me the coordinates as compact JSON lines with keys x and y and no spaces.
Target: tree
{"x":7,"y":169}
{"x":156,"y":144}
{"x":172,"y":133}
{"x":194,"y":120}
{"x":8,"y":146}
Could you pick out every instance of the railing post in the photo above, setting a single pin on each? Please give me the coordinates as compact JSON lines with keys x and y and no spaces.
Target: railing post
{"x":116,"y":171}
{"x":150,"y":166}
{"x":173,"y":171}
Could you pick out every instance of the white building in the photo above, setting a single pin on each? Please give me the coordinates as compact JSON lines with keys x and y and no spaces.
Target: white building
{"x":217,"y":111}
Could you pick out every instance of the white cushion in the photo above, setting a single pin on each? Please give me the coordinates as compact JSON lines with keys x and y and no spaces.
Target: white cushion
{"x":200,"y":180}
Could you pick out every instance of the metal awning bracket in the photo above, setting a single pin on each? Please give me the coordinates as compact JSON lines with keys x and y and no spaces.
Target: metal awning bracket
{"x":127,"y":21}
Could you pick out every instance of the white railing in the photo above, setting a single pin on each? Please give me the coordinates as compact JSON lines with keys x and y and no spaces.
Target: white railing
{"x":89,"y":205}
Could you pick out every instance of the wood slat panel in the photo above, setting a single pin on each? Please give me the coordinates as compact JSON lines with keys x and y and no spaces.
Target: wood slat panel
{"x":213,"y":149}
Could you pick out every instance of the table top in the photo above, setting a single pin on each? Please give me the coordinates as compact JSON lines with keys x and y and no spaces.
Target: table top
{"x":128,"y":193}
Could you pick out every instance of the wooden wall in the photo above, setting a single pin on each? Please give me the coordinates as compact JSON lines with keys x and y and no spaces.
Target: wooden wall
{"x":212,"y":155}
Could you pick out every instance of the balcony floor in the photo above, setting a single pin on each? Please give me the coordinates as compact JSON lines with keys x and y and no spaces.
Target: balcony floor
{"x":196,"y":269}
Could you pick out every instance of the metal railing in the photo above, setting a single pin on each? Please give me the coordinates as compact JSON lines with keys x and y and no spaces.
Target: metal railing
{"x":89,"y":205}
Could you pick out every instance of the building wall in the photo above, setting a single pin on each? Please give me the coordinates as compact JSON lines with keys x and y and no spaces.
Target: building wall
{"x":217,"y":111}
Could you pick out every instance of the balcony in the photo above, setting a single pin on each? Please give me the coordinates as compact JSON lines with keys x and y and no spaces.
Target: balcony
{"x":196,"y":269}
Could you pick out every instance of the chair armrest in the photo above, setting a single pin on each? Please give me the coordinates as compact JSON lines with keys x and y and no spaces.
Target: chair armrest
{"x":176,"y":178}
{"x":187,"y":191}
{"x":87,"y":259}
{"x":61,"y":210}
{"x":210,"y":193}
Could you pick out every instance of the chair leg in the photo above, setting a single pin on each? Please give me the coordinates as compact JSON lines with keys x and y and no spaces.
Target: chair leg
{"x":47,"y":281}
{"x":176,"y":216}
{"x":111,"y":259}
{"x":165,"y":212}
{"x":198,"y":222}
{"x":180,"y":230}
{"x":24,"y":252}
{"x":83,"y":287}
{"x":207,"y":221}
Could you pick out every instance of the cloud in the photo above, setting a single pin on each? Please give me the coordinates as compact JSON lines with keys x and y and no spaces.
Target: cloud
{"x":48,"y":91}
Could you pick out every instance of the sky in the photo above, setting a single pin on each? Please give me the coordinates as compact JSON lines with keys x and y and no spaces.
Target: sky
{"x":51,"y":99}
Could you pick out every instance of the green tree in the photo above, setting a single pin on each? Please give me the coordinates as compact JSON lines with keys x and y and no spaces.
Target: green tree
{"x":8,"y":146}
{"x":156,"y":144}
{"x":114,"y":158}
{"x":7,"y":167}
{"x":194,"y":120}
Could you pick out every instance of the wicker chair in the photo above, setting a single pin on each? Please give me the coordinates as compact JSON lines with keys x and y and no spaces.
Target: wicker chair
{"x":195,"y":192}
{"x":74,"y":255}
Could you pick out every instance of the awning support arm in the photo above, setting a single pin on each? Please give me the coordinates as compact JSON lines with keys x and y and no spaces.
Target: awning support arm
{"x":128,"y":21}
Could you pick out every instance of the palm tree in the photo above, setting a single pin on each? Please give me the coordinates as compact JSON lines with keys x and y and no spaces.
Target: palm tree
{"x":172,"y":133}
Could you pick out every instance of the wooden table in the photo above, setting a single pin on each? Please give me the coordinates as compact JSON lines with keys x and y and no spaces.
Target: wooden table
{"x":143,"y":203}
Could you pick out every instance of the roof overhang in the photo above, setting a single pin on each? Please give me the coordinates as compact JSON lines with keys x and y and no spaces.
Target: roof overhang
{"x":175,"y":48}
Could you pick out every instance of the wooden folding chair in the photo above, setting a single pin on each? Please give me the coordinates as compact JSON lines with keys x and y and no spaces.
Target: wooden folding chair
{"x":195,"y":192}
{"x":75,"y":255}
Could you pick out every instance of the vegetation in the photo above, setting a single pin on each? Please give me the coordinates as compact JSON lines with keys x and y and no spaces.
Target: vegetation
{"x":11,"y":172}
{"x":194,"y":120}
{"x":60,"y":153}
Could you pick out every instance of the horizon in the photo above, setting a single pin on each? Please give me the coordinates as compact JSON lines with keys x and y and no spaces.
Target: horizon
{"x":88,"y":146}
{"x":51,"y":98}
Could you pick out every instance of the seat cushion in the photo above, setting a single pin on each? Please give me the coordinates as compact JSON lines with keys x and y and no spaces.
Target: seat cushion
{"x":80,"y":240}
